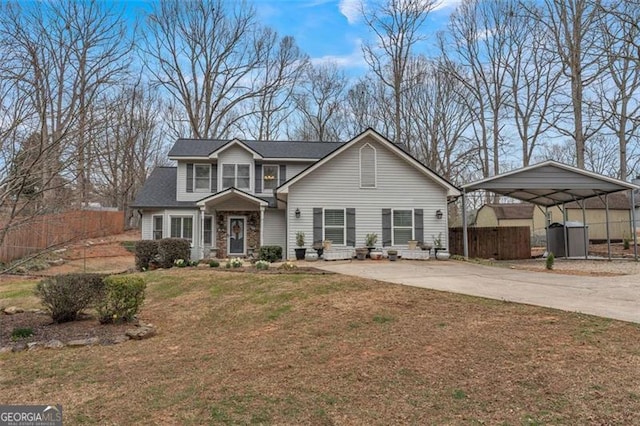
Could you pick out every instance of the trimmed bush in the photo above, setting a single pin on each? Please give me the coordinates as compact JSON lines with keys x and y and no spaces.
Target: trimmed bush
{"x":172,"y":249}
{"x":262,"y":265}
{"x":270,"y":253}
{"x":550,"y":261}
{"x":146,"y":251}
{"x":65,"y":296}
{"x":214,"y":263}
{"x":123,"y":297}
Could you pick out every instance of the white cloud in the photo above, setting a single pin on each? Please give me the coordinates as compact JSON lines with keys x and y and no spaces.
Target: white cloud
{"x":446,"y":4}
{"x":350,"y":9}
{"x":351,"y":60}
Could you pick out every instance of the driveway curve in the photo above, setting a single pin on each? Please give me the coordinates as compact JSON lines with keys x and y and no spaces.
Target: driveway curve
{"x":612,"y":297}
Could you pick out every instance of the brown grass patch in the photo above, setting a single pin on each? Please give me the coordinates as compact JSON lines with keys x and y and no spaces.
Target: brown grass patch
{"x":309,"y":349}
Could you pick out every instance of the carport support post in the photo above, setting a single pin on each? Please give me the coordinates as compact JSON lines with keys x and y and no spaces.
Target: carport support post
{"x":606,"y":219}
{"x":465,"y":246}
{"x":584,"y":232}
{"x":633,"y":225}
{"x":564,"y":230}
{"x":547,"y":222}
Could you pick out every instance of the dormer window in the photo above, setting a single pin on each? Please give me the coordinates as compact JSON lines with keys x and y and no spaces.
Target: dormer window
{"x":270,"y":177}
{"x":236,"y":175}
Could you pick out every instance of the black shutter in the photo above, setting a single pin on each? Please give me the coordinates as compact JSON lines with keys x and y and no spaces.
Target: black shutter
{"x":386,"y":227}
{"x":283,"y":174}
{"x":258,"y":187}
{"x":214,"y":178}
{"x":351,"y":227}
{"x":317,"y":225}
{"x":418,"y":226}
{"x":189,"y":177}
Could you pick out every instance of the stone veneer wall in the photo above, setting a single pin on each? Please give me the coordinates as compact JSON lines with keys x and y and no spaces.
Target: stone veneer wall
{"x":253,"y":230}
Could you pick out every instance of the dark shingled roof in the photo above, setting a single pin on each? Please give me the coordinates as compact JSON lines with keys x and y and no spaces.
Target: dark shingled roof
{"x":268,"y":149}
{"x":513,"y":211}
{"x":160,"y":190}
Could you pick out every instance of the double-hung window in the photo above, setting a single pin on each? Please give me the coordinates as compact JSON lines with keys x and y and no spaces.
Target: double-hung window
{"x":334,"y":226}
{"x":157,"y":227}
{"x":182,"y":227}
{"x":402,"y":226}
{"x":208,"y":230}
{"x":202,"y":177}
{"x":236,"y":175}
{"x":270,"y":177}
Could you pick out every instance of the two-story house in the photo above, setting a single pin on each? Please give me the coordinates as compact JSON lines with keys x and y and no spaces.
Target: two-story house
{"x":229,"y":196}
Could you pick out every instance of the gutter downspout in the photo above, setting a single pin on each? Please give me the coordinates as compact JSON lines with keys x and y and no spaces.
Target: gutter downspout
{"x":465,"y":245}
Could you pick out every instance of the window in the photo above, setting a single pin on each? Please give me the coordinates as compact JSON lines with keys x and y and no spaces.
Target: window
{"x":402,"y":226}
{"x":334,"y":226}
{"x":208,"y":233}
{"x":367,"y":166}
{"x":236,"y":175}
{"x":182,"y":227}
{"x":202,"y":177}
{"x":157,"y":227}
{"x":270,"y":177}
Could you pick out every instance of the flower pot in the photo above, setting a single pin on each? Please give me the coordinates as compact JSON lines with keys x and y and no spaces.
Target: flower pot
{"x":393,"y":255}
{"x":412,"y":244}
{"x":443,"y":255}
{"x":326,"y":244}
{"x":376,"y":255}
{"x":300,"y":253}
{"x":361,"y":253}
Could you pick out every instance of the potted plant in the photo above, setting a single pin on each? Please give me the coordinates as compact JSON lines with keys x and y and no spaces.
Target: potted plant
{"x":440,"y":252}
{"x":412,"y":244}
{"x":370,"y":242}
{"x":376,"y":254}
{"x":393,"y":255}
{"x":361,"y":253}
{"x":301,"y":251}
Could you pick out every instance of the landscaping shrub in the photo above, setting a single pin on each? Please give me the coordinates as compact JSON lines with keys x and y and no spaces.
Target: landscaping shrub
{"x":171,"y":249}
{"x":236,"y":262}
{"x":262,"y":265}
{"x":550,"y":261}
{"x":214,"y":263}
{"x":270,"y":253}
{"x":146,"y":251}
{"x":65,"y":296}
{"x":123,"y":297}
{"x":21,"y":333}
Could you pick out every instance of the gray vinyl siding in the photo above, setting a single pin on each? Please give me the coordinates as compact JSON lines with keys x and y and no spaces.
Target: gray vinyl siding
{"x":275,"y":228}
{"x":292,"y":170}
{"x":336,"y":184}
{"x":181,"y":185}
{"x":147,"y":226}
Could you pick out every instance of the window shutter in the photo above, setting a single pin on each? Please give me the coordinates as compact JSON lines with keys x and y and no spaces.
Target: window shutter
{"x":418,"y":226}
{"x":283,"y":174}
{"x":189,"y":177}
{"x":351,"y":227}
{"x":317,"y":225}
{"x":258,"y":187}
{"x":386,"y":227}
{"x":214,"y":178}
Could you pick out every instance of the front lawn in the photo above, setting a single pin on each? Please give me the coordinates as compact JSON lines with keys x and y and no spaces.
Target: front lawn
{"x":242,"y":348}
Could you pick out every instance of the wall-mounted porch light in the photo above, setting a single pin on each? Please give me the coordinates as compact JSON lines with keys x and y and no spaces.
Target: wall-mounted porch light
{"x":297,"y":213}
{"x":438,"y":214}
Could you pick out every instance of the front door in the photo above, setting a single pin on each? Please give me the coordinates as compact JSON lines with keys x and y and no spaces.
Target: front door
{"x":237,"y":235}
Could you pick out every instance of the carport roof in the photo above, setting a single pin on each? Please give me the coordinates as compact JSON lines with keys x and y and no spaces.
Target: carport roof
{"x":550,"y":183}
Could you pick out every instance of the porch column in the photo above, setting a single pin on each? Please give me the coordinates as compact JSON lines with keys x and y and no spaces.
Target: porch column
{"x":262,"y":208}
{"x":201,"y":236}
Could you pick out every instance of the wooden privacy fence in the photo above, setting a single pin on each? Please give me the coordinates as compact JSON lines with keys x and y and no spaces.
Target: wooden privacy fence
{"x":500,"y":243}
{"x":41,"y":232}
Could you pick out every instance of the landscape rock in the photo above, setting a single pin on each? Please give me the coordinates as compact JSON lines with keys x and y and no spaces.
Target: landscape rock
{"x":19,"y":347}
{"x":119,"y":339}
{"x":142,"y":331}
{"x":31,"y":346}
{"x":12,"y":310}
{"x":4,"y":349}
{"x":84,"y":342}
{"x":55,"y":262}
{"x":54,"y":344}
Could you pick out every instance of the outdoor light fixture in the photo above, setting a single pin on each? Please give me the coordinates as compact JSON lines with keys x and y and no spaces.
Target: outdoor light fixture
{"x":297,"y":213}
{"x":438,"y":214}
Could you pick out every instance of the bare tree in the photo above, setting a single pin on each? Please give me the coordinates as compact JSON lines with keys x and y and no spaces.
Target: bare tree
{"x":574,"y":27}
{"x":370,"y":105}
{"x":397,"y":27}
{"x":320,"y":103}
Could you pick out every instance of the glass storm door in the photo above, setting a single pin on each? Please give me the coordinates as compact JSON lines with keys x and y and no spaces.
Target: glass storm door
{"x":236,"y":235}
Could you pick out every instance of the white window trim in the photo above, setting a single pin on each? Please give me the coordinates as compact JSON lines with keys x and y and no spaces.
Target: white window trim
{"x":393,"y":227}
{"x":375,"y":166}
{"x":277,"y":178}
{"x":208,"y":188}
{"x":235,"y":176}
{"x":153,"y":226}
{"x":208,"y":216}
{"x":344,"y":226}
{"x":193,"y":226}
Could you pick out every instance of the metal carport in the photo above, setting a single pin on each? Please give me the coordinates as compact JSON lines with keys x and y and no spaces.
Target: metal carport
{"x":549,"y":184}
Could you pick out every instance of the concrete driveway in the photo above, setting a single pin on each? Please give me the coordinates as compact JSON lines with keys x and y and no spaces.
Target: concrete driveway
{"x":611,"y":297}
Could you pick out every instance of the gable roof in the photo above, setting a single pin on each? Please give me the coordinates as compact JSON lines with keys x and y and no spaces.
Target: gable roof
{"x":452,"y":190}
{"x":512,"y":211}
{"x":204,"y":148}
{"x":550,"y":183}
{"x":159,"y":190}
{"x":230,"y":193}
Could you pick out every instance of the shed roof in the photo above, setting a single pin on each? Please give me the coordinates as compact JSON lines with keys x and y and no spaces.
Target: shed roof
{"x":550,"y":183}
{"x":512,"y":211}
